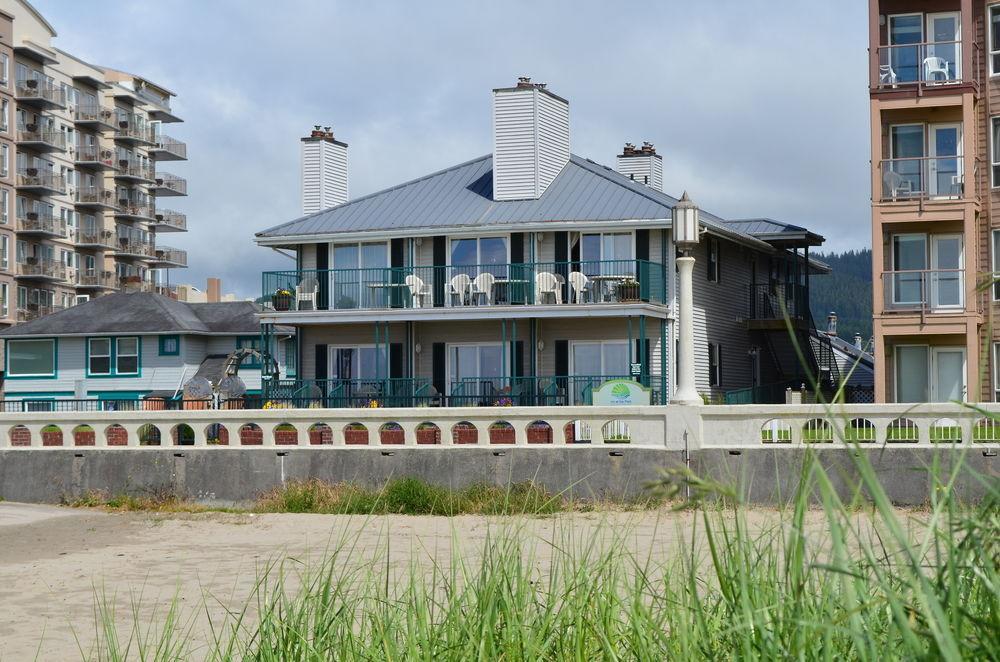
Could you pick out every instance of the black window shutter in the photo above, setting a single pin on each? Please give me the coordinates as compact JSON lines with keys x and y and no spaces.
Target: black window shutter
{"x":642,"y":244}
{"x":516,"y":292}
{"x":440,"y":272}
{"x":562,"y":358}
{"x":321,"y":354}
{"x":322,"y":264}
{"x":437,"y":369}
{"x":562,"y":259}
{"x":518,"y":368}
{"x":397,"y":249}
{"x":395,"y":360}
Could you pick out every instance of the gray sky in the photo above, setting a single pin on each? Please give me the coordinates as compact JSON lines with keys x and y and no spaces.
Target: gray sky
{"x":758,"y":107}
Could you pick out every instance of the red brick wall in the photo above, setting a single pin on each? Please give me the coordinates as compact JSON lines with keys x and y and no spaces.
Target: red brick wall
{"x":464,"y":434}
{"x":429,"y":435}
{"x":320,"y":435}
{"x":286,"y":437}
{"x":53,"y":438}
{"x":251,"y":436}
{"x":20,"y":436}
{"x":84,"y":437}
{"x":117,"y":436}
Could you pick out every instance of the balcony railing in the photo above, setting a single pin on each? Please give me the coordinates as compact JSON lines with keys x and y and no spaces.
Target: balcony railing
{"x":141,"y":209}
{"x":527,"y":391}
{"x":95,"y":238}
{"x":41,"y":223}
{"x":48,"y":269}
{"x":133,"y":132}
{"x":775,"y":301}
{"x":34,"y":311}
{"x":41,"y":181}
{"x":941,"y":177}
{"x":937,"y":63}
{"x":95,"y":115}
{"x":94,"y":155}
{"x":166,"y":184}
{"x":169,"y":149}
{"x":171,"y":257}
{"x":926,"y":290}
{"x":39,"y":92}
{"x":538,"y":283}
{"x":44,"y":141}
{"x":92,"y":278}
{"x":95,"y":196}
{"x":128,"y":169}
{"x":126,"y":247}
{"x":168,"y":220}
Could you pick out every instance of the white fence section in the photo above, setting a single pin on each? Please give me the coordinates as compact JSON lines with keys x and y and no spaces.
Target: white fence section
{"x":664,"y":427}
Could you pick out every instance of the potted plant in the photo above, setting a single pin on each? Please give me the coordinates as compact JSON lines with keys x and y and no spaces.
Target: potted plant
{"x":31,"y":83}
{"x":31,"y":172}
{"x":31,"y":127}
{"x":391,"y":434}
{"x":501,"y":433}
{"x":356,"y":434}
{"x":628,"y":289}
{"x":32,"y":215}
{"x":428,"y":433}
{"x":282,"y":299}
{"x":51,"y":436}
{"x":286,"y":435}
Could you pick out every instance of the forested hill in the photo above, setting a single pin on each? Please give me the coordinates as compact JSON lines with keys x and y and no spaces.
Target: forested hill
{"x":846,"y":290}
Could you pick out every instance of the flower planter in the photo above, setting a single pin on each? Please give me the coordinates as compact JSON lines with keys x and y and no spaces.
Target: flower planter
{"x":428,"y":435}
{"x":355,"y":437}
{"x":501,"y":435}
{"x":465,"y":435}
{"x":320,"y":436}
{"x":84,"y":438}
{"x":52,"y":438}
{"x":282,"y":302}
{"x":286,"y":437}
{"x":391,"y":436}
{"x":539,"y":435}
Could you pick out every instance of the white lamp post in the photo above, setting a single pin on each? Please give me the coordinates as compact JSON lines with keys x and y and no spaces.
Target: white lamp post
{"x":686,"y":237}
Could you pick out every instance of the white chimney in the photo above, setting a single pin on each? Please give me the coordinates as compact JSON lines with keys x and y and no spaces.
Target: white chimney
{"x":530,"y":140}
{"x":642,"y":164}
{"x":324,"y":171}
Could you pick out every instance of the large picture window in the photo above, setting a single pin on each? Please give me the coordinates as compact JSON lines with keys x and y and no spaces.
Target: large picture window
{"x":99,"y":356}
{"x":31,"y":358}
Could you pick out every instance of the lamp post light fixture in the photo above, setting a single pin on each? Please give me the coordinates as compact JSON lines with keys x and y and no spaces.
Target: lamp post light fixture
{"x":686,"y":233}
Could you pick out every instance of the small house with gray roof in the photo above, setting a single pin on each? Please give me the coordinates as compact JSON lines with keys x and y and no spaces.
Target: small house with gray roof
{"x":132,"y":346}
{"x":529,"y":276}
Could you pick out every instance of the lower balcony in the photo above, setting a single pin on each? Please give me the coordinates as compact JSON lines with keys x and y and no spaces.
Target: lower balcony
{"x":97,"y":239}
{"x":41,"y":224}
{"x":125,"y":247}
{"x":134,"y":171}
{"x":96,"y":280}
{"x":34,"y":311}
{"x":168,"y":220}
{"x":95,"y":197}
{"x":166,"y":185}
{"x":168,"y":149}
{"x":94,"y":157}
{"x":925,"y":291}
{"x":41,"y":141}
{"x":47,"y":270}
{"x":33,"y":180}
{"x":141,"y":210}
{"x":167,"y":257}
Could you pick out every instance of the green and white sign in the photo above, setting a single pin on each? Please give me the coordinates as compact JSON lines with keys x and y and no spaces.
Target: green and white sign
{"x":621,"y":393}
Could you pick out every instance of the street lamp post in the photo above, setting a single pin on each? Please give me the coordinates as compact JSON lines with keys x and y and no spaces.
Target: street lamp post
{"x":686,"y":237}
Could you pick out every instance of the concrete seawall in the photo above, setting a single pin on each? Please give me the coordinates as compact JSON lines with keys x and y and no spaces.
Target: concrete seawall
{"x":225,"y":476}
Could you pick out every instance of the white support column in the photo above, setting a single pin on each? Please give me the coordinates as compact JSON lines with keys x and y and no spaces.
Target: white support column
{"x":686,"y":393}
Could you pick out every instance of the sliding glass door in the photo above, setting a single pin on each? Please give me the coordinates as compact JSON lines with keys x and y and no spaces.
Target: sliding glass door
{"x":358,"y":276}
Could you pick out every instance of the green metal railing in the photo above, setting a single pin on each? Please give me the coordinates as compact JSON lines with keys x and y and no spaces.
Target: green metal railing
{"x":532,"y":391}
{"x":530,"y":283}
{"x":385,"y":392}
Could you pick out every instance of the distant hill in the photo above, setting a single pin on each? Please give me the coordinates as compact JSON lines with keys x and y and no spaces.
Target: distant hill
{"x":847,"y":291}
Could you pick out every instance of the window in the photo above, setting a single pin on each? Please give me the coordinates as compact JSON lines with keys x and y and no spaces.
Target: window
{"x":714,"y":364}
{"x":483,"y":254}
{"x":357,"y":267}
{"x":31,"y":358}
{"x":4,"y":206}
{"x":4,"y":69}
{"x":479,"y":364}
{"x":995,"y":151}
{"x":170,"y":345}
{"x":127,"y":356}
{"x":4,"y":252}
{"x":4,"y":160}
{"x":714,"y":260}
{"x":5,"y":115}
{"x":592,"y":363}
{"x":4,"y":304}
{"x":291,"y":358}
{"x":994,"y":40}
{"x":99,"y":356}
{"x":249,"y":342}
{"x":929,"y":374}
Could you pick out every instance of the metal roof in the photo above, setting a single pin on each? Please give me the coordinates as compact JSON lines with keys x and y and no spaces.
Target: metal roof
{"x":462,"y":197}
{"x":123,"y":313}
{"x":769,"y":229}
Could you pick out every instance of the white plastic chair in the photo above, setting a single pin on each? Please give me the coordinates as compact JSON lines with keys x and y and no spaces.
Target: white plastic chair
{"x":483,"y":286}
{"x":460,"y":286}
{"x":934,"y":66}
{"x":418,"y":290}
{"x":305,"y":293}
{"x":886,"y":76}
{"x":546,"y":284}
{"x":581,"y":285}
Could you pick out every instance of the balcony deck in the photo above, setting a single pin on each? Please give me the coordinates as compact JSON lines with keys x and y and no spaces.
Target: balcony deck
{"x":167,"y":257}
{"x":39,"y":94}
{"x":168,"y":220}
{"x":41,"y":225}
{"x":94,"y":197}
{"x":94,"y":157}
{"x":166,"y":185}
{"x":41,"y":141}
{"x":42,"y":183}
{"x":169,"y":149}
{"x":95,"y":117}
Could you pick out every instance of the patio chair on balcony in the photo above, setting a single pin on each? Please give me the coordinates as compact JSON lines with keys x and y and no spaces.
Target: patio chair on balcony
{"x":894,"y":185}
{"x":419,"y":290}
{"x":547,"y":284}
{"x":581,"y":286}
{"x":305,"y":293}
{"x":886,"y":76}
{"x":482,"y":286}
{"x":935,"y":67}
{"x":460,"y":286}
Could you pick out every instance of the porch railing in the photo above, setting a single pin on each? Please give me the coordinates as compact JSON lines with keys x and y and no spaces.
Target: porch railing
{"x":941,"y":177}
{"x":928,"y":290}
{"x":930,"y":63}
{"x":532,"y":391}
{"x":772,"y":301}
{"x":503,"y":284}
{"x":384,"y":392}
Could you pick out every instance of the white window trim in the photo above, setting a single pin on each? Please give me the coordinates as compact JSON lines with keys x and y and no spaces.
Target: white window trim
{"x":109,"y":355}
{"x":331,"y":352}
{"x":931,"y":386}
{"x":994,"y":156}
{"x":991,"y":48}
{"x":118,"y":354}
{"x":448,"y":351}
{"x":601,"y":343}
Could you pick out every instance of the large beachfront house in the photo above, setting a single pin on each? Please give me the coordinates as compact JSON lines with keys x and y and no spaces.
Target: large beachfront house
{"x":128,"y":347}
{"x":528,"y":276}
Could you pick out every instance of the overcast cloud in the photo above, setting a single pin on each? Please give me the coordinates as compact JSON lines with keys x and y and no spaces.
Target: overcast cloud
{"x":759,"y":108}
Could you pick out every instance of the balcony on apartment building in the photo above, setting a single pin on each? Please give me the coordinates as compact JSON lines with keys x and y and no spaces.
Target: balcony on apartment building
{"x":168,"y":220}
{"x":467,"y":286}
{"x":95,"y":238}
{"x":165,"y":257}
{"x":94,"y":197}
{"x":168,"y":149}
{"x":134,"y":133}
{"x":98,"y":118}
{"x":771,"y":304}
{"x":167,"y":185}
{"x":135,"y":171}
{"x":36,"y":269}
{"x":41,"y":224}
{"x":42,"y":182}
{"x":135,"y":209}
{"x":924,"y":178}
{"x":36,"y":310}
{"x":133,"y":248}
{"x":94,"y":157}
{"x":40,"y":94}
{"x":41,"y":140}
{"x":924,"y":291}
{"x":924,"y":53}
{"x":96,"y":279}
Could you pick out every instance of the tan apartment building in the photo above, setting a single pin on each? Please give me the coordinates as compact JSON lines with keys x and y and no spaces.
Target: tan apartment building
{"x":8,"y":286}
{"x":86,"y":143}
{"x":935,"y":138}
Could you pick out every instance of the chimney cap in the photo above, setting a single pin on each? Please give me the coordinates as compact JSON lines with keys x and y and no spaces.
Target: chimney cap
{"x":524,"y":83}
{"x":647,"y":149}
{"x":320,"y":132}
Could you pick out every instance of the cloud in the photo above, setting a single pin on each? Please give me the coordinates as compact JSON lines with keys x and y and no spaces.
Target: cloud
{"x":758,"y":107}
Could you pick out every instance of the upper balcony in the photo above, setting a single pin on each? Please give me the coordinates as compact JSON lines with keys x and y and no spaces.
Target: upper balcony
{"x":165,"y":257}
{"x":135,"y":171}
{"x":924,"y":291}
{"x":773,"y":305}
{"x":41,"y":182}
{"x":167,"y":185}
{"x":95,"y":197}
{"x":40,"y":94}
{"x":133,"y":248}
{"x":94,"y":157}
{"x":41,"y":140}
{"x":168,"y":149}
{"x":41,"y":224}
{"x":95,"y":238}
{"x":47,"y":270}
{"x":98,"y":118}
{"x":168,"y":220}
{"x":136,"y":209}
{"x":134,"y":133}
{"x":96,"y":279}
{"x":924,"y":178}
{"x":468,"y":287}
